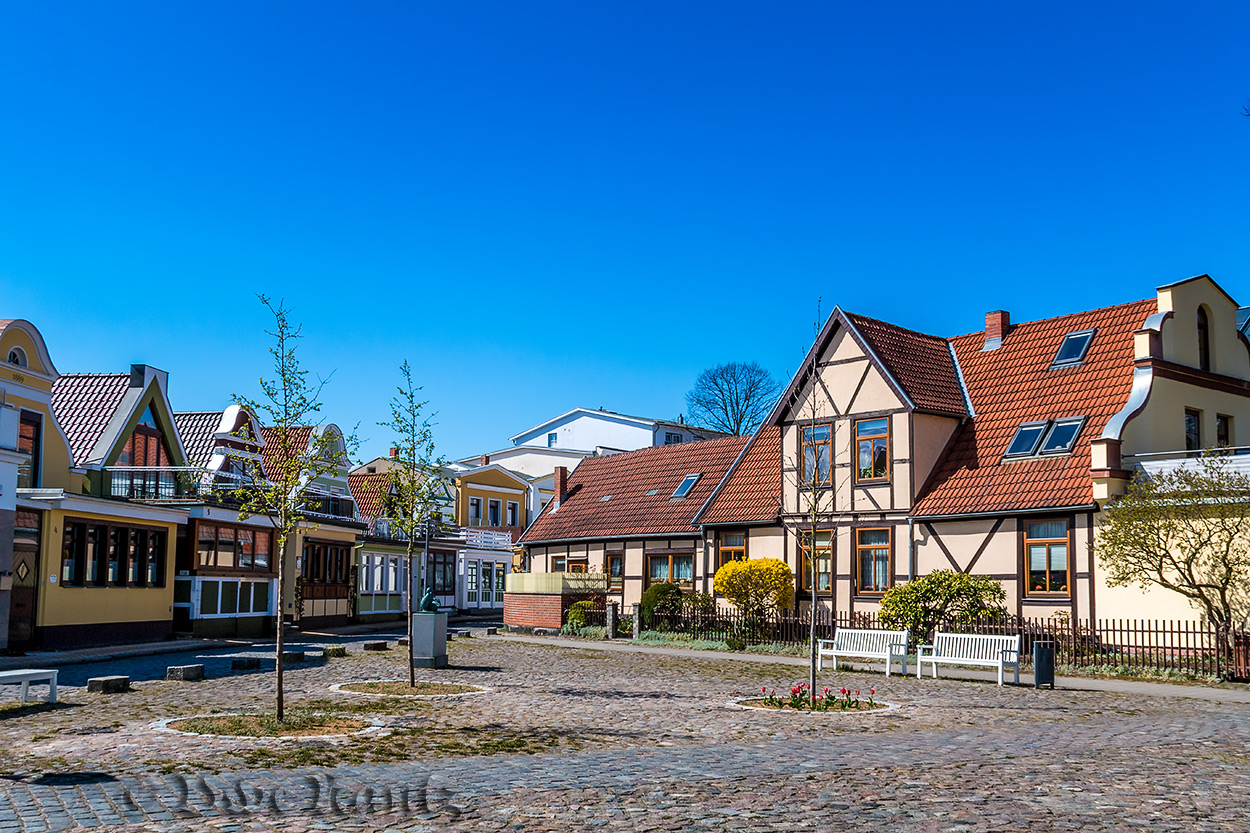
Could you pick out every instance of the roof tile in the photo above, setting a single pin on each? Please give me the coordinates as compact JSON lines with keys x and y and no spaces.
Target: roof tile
{"x":83,"y":404}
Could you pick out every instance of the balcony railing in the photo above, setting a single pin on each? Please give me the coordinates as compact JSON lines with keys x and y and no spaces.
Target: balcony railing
{"x":158,"y":482}
{"x":328,"y":506}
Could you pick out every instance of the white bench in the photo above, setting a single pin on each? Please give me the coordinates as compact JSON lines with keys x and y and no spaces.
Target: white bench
{"x":864,"y":643}
{"x":999,"y":652}
{"x":25,"y":676}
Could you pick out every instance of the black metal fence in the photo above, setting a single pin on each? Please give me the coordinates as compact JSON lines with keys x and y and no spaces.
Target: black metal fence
{"x":1116,"y":645}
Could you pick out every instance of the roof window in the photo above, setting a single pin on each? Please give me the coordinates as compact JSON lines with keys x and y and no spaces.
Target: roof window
{"x":1055,"y":436}
{"x":686,"y":485}
{"x":1073,"y":348}
{"x":605,"y":498}
{"x":652,"y":492}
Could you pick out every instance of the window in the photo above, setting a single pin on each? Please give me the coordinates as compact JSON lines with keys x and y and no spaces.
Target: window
{"x":1046,"y":553}
{"x":558,"y":563}
{"x":29,"y":437}
{"x":551,"y":439}
{"x":513,"y":513}
{"x":824,"y":561}
{"x":135,"y":558}
{"x":732,"y":546}
{"x":872,"y":560}
{"x":676,"y":568}
{"x":872,"y":441}
{"x":577,"y":566}
{"x":686,"y":485}
{"x":1223,"y":430}
{"x":475,"y":511}
{"x":1204,"y":340}
{"x":1028,"y":437}
{"x":501,"y":581}
{"x":671,"y":438}
{"x":1073,"y":348}
{"x":1061,"y":436}
{"x":227,"y":547}
{"x":17,"y":356}
{"x":818,"y":454}
{"x":440,"y":573}
{"x":494,"y":509}
{"x":1193,"y":430}
{"x":470,"y":582}
{"x":616,"y":570}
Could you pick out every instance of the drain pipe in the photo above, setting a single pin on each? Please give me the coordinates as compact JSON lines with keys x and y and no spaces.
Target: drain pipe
{"x":911,"y":548}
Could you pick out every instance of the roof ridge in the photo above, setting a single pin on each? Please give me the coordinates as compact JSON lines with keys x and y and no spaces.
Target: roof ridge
{"x":898,"y":327}
{"x":654,"y":448}
{"x":1093,"y":311}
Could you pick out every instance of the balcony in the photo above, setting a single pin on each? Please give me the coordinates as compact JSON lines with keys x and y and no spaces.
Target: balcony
{"x":325,"y":505}
{"x":157,"y":483}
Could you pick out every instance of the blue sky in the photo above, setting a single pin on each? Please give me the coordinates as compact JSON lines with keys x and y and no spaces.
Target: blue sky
{"x":550,"y":205}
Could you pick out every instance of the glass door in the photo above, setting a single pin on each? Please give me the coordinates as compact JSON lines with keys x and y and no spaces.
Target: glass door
{"x":488,"y":584}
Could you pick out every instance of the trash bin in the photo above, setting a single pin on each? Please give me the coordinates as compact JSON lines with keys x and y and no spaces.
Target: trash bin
{"x":1044,"y":664}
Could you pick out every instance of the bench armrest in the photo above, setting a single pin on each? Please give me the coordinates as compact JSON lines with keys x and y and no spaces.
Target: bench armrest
{"x":1010,"y":651}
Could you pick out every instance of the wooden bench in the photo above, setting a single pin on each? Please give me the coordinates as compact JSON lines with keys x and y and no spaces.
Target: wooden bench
{"x":25,"y":676}
{"x":864,"y":643}
{"x":999,"y":652}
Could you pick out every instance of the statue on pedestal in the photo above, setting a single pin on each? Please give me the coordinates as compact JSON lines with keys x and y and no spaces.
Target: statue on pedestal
{"x":428,"y":604}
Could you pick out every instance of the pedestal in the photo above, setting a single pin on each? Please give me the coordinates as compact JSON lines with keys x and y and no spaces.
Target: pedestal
{"x":429,"y":640}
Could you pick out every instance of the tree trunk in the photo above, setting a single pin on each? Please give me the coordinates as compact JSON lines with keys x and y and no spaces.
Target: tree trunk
{"x":412,"y":672}
{"x":281,"y":640}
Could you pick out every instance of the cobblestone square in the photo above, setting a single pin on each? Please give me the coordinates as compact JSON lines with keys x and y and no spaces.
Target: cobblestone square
{"x":578,"y":738}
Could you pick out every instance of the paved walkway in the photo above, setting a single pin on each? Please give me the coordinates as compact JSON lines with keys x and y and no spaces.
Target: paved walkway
{"x":1215,"y":694}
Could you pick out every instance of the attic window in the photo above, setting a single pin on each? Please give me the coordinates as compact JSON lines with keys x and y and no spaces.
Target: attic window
{"x":687,"y":484}
{"x":1062,"y":435}
{"x":605,"y":498}
{"x":1044,"y":438}
{"x":17,"y":356}
{"x":1072,"y":350}
{"x":1027,"y":438}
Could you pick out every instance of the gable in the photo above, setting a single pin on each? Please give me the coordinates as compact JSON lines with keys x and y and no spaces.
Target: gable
{"x":151,"y":419}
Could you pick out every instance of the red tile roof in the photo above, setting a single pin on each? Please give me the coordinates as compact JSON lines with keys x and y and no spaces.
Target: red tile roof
{"x":1014,"y":384}
{"x":751,"y":491}
{"x":370,"y":491}
{"x":84,"y":403}
{"x":196,"y":429}
{"x":628,"y":478}
{"x":921,"y":364}
{"x":272,"y":457}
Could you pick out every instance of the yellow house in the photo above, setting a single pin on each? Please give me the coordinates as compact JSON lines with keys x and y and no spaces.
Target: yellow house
{"x":92,"y":565}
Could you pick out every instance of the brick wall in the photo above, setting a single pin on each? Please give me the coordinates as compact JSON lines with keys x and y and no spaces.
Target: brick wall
{"x":537,"y":610}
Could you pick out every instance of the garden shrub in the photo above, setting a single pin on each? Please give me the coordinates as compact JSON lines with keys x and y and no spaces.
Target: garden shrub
{"x":698,"y":604}
{"x":577,"y":613}
{"x":756,"y":587}
{"x":664,"y":598}
{"x":940,"y":597}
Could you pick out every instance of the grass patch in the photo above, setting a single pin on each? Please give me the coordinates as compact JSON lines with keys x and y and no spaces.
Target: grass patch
{"x":297,"y":724}
{"x":398,"y":688}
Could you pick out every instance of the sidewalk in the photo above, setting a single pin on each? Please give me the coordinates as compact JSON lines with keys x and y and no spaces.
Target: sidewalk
{"x":1144,"y":689}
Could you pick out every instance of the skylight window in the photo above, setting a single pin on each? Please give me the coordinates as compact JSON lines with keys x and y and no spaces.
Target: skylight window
{"x":652,"y":492}
{"x":1027,"y":438}
{"x":605,"y":498}
{"x":1062,"y":435}
{"x":687,"y":484}
{"x":1072,"y":350}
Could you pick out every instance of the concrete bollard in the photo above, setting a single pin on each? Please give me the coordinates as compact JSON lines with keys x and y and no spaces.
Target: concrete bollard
{"x":109,"y":685}
{"x":292,"y":656}
{"x":375,"y":646}
{"x":245,"y":664}
{"x":338,"y":651}
{"x":185,"y":673}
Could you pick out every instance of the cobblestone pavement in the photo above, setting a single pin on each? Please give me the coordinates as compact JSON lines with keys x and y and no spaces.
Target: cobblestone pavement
{"x":639,"y":742}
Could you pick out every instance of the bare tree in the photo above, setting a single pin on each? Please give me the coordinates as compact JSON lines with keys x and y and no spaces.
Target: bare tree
{"x":733,"y":397}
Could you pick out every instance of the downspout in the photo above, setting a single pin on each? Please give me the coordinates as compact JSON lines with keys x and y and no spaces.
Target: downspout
{"x":911,"y":548}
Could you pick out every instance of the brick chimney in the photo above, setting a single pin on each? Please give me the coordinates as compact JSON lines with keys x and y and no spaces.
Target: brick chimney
{"x":394,"y":453}
{"x":561,"y":486}
{"x":997,"y":323}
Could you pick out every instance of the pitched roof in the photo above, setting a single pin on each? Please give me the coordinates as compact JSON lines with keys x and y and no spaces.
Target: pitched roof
{"x":84,"y":403}
{"x":626,"y":480}
{"x":752,"y":489}
{"x":197,"y":429}
{"x":921,"y":364}
{"x":1015,"y":384}
{"x":271,"y":453}
{"x":370,"y":490}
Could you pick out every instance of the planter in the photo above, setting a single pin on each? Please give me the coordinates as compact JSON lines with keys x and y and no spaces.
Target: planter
{"x":749,"y":703}
{"x":167,"y":724}
{"x":476,"y":689}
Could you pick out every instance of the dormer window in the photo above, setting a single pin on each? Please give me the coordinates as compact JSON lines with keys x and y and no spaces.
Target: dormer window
{"x":686,"y":485}
{"x":1028,"y":437}
{"x":1072,"y":350}
{"x":1045,"y":437}
{"x":17,"y":356}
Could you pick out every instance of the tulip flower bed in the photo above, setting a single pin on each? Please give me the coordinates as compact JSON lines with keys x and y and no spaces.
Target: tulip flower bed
{"x":827,"y":700}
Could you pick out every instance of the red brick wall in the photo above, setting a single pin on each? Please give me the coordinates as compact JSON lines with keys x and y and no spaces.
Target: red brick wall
{"x":533,"y":610}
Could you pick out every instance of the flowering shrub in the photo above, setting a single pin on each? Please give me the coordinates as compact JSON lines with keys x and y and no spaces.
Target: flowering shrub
{"x":800,"y":699}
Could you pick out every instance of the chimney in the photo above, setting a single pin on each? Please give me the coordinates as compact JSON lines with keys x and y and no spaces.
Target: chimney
{"x":484,"y":460}
{"x":997,"y":323}
{"x":394,"y":453}
{"x":561,"y":486}
{"x":138,"y":374}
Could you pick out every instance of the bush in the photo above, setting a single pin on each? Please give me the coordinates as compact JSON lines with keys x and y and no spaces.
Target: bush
{"x":664,"y":598}
{"x":756,"y":587}
{"x":577,"y":613}
{"x":940,"y":597}
{"x":698,"y":604}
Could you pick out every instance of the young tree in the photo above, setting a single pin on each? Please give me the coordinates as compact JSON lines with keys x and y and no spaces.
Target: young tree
{"x":924,"y":603}
{"x":733,"y":397}
{"x":418,"y":485}
{"x":1186,"y":529}
{"x":296,"y":452}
